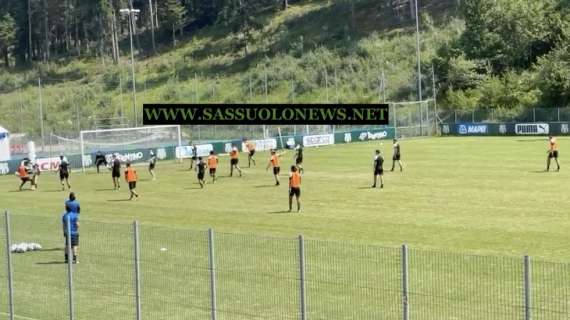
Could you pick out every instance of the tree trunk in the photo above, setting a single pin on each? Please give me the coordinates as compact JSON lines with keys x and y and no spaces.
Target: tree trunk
{"x":77,"y":42}
{"x":30,"y":54}
{"x":173,"y":36}
{"x":156,"y":13}
{"x":6,"y":61}
{"x":151,"y":15}
{"x":114,"y":39}
{"x":46,"y":31}
{"x":285,"y":4}
{"x":65,"y":23}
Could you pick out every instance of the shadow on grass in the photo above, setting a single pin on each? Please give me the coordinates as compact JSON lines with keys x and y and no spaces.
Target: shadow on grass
{"x":50,"y":262}
{"x":280,"y":212}
{"x":543,"y":171}
{"x":265,"y":186}
{"x":53,"y":249}
{"x":108,"y":189}
{"x":118,"y":200}
{"x":365,"y":188}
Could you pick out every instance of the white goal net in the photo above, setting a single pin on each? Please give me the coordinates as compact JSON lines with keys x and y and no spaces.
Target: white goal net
{"x":127,"y":139}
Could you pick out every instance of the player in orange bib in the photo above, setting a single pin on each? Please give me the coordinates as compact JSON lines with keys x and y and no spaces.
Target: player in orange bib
{"x":213,"y":165}
{"x":234,"y":160}
{"x":274,"y":163}
{"x":131,"y":178}
{"x":294,"y":188}
{"x":24,"y":175}
{"x":552,"y":153}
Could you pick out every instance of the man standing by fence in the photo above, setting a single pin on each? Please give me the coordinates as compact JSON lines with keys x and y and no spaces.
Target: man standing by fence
{"x":71,"y":231}
{"x":116,"y":172}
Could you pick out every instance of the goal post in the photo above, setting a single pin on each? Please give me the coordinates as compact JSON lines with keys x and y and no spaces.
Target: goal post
{"x":127,"y":139}
{"x":413,"y":118}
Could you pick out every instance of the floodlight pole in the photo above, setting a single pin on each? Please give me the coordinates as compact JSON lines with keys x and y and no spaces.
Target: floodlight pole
{"x":130,"y":11}
{"x":418,"y":53}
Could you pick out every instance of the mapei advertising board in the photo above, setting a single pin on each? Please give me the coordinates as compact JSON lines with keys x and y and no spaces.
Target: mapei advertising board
{"x":503,"y":129}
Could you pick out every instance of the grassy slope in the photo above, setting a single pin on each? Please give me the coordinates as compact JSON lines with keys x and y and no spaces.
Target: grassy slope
{"x":456,"y":195}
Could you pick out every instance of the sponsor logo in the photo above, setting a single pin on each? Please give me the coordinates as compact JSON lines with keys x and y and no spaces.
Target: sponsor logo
{"x":87,"y":161}
{"x":472,"y":129}
{"x":372,"y":136}
{"x":228,"y":147}
{"x":291,"y":143}
{"x":502,"y":128}
{"x":202,"y":150}
{"x":445,"y":129}
{"x":125,"y":157}
{"x":261,"y":145}
{"x":161,"y":153}
{"x":564,"y":128}
{"x":318,"y":140}
{"x":532,"y":128}
{"x":48,"y":164}
{"x":4,"y":169}
{"x":347,"y":137}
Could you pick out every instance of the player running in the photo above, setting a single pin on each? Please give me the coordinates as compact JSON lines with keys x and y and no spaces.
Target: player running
{"x":64,"y":171}
{"x":250,"y":146}
{"x":378,"y":170}
{"x":294,"y":188}
{"x":100,"y":160}
{"x":116,"y":172}
{"x":152,"y":164}
{"x":194,"y":156}
{"x":552,"y":153}
{"x":35,"y":171}
{"x":24,"y":174}
{"x":131,"y":178}
{"x":234,"y":160}
{"x":299,"y":158}
{"x":201,"y":169}
{"x":274,"y":163}
{"x":213,"y":165}
{"x":396,"y":155}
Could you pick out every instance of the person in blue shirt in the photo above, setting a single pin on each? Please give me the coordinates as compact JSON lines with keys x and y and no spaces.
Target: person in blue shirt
{"x":72,"y":203}
{"x":73,"y":219}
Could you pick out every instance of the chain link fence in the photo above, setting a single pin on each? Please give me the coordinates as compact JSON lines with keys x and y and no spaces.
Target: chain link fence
{"x":150,"y":272}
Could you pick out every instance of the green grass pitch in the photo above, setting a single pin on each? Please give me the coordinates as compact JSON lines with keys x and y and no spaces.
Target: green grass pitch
{"x":472,"y":195}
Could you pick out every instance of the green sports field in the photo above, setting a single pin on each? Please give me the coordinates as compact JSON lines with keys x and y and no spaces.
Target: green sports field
{"x":484,"y":196}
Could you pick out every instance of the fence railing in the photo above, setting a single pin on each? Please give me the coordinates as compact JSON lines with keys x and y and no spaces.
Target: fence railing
{"x":150,"y":272}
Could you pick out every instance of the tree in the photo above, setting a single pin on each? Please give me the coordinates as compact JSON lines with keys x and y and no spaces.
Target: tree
{"x":7,"y":36}
{"x":172,"y":14}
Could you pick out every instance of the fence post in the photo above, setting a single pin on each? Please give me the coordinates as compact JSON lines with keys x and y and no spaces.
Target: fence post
{"x":473,"y":116}
{"x":70,"y":269}
{"x":527,"y":289}
{"x":9,"y":262}
{"x":455,"y":116}
{"x":405,"y":298}
{"x":533,"y":114}
{"x":302,"y":277}
{"x":137,"y":269}
{"x":212,"y":273}
{"x":558,"y":111}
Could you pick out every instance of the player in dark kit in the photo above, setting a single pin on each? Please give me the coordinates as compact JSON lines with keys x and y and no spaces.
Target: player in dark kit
{"x":64,"y":171}
{"x":294,"y":188}
{"x":299,"y":158}
{"x":100,"y":160}
{"x":201,"y":169}
{"x":116,"y":172}
{"x":152,"y":165}
{"x":552,"y":153}
{"x":378,"y":170}
{"x":396,"y":156}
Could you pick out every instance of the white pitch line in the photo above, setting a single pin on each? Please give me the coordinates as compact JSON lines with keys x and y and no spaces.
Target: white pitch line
{"x":19,"y":317}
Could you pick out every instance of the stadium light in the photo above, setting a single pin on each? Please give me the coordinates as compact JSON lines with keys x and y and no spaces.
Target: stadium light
{"x":132,"y":15}
{"x":418,"y":54}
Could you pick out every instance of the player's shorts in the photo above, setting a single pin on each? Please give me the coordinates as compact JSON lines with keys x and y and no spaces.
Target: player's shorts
{"x":299,"y":161}
{"x":553,"y":154}
{"x":74,"y":240}
{"x":251,"y":153}
{"x":276,"y":170}
{"x":200,"y":175}
{"x":63,"y":176}
{"x":132,"y":185}
{"x":151,"y":166}
{"x":194,"y":158}
{"x":378,"y":172}
{"x":116,"y":174}
{"x":295,"y":192}
{"x":212,"y":170}
{"x":396,"y":157}
{"x":234,"y":161}
{"x":26,"y":179}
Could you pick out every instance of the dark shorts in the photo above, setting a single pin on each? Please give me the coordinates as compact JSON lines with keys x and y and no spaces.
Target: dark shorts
{"x":553,"y":154}
{"x":212,"y":170}
{"x":295,"y":192}
{"x":234,"y":162}
{"x":276,"y":170}
{"x":116,"y":174}
{"x":26,"y":179}
{"x":396,"y":157}
{"x":132,"y":185}
{"x":378,"y":172}
{"x":194,"y":158}
{"x":200,"y":175}
{"x":74,"y":240}
{"x":251,"y":153}
{"x":63,"y":176}
{"x":299,"y":161}
{"x":151,"y":166}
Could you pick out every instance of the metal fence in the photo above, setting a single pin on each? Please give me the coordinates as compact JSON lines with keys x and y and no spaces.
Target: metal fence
{"x":505,"y":115}
{"x":150,"y":272}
